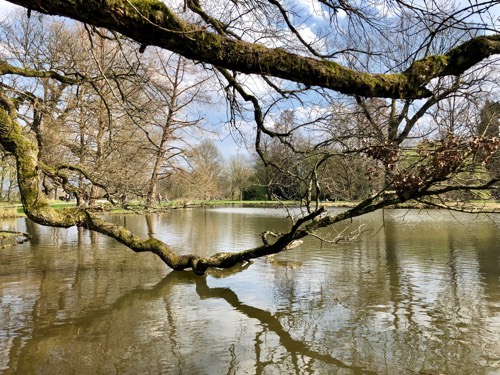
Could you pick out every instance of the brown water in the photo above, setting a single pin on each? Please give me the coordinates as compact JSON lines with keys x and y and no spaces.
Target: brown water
{"x":418,"y":295}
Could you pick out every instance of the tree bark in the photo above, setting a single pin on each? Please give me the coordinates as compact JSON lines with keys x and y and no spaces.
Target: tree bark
{"x":152,"y":22}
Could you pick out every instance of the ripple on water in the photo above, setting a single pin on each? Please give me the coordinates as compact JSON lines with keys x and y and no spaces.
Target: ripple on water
{"x":421,"y":294}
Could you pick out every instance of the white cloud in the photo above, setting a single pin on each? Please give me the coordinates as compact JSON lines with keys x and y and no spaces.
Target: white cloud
{"x":6,"y":8}
{"x":313,"y":9}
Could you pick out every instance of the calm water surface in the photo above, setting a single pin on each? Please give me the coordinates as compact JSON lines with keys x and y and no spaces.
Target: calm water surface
{"x":420,"y":294}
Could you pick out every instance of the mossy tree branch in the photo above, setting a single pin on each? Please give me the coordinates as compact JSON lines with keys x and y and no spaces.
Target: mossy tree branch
{"x":37,"y":208}
{"x":6,"y":68}
{"x":152,"y":22}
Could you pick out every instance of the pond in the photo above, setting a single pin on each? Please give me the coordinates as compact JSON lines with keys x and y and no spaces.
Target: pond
{"x":418,"y":294}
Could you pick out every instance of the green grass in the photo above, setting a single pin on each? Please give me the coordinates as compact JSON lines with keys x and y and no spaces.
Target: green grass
{"x":10,"y":211}
{"x":61,"y":204}
{"x":15,"y":210}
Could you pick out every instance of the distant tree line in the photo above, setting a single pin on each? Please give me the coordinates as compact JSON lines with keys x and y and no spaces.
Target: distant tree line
{"x":203,"y":172}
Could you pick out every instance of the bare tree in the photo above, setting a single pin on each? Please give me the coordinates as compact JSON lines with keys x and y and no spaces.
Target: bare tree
{"x":174,"y":88}
{"x":80,"y":121}
{"x":207,"y":165}
{"x":239,"y":172}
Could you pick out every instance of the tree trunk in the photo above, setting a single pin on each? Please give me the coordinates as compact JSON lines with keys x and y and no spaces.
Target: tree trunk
{"x":153,"y":182}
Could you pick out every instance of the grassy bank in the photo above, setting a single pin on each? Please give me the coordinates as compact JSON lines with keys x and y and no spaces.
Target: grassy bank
{"x":8,"y":210}
{"x":13,"y":210}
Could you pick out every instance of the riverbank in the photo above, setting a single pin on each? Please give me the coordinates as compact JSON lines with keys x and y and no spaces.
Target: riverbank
{"x":13,"y":210}
{"x":138,"y":207}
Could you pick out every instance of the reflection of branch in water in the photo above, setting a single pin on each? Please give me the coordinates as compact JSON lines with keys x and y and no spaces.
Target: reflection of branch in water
{"x":283,"y":263}
{"x":220,"y":273}
{"x":342,"y":236}
{"x":272,"y":323}
{"x":87,"y":319}
{"x":159,"y":291}
{"x":163,"y":289}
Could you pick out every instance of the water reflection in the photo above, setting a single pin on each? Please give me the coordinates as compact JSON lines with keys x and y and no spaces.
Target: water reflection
{"x":420,"y":296}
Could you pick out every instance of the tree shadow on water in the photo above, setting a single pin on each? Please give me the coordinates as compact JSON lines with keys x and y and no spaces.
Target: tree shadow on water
{"x":298,"y":352}
{"x":294,"y":347}
{"x":271,"y":323}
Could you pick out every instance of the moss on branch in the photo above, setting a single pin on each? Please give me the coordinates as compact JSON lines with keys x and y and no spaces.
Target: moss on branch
{"x":37,"y":208}
{"x":152,"y":22}
{"x":6,"y":68}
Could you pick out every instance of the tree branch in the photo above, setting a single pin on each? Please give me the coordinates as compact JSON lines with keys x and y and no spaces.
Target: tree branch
{"x":6,"y":68}
{"x":154,"y":23}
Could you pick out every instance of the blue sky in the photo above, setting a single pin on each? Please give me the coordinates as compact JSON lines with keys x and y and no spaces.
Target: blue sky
{"x":311,"y":27}
{"x":226,"y":144}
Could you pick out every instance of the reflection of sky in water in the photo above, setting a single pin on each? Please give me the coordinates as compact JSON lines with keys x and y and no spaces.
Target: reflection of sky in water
{"x":251,"y":211}
{"x":407,"y":216}
{"x":420,"y":294}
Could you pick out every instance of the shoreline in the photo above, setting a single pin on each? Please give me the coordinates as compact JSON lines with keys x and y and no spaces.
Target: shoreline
{"x":16,"y":210}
